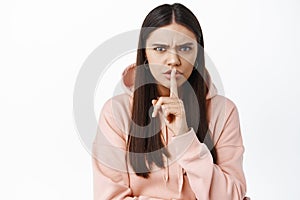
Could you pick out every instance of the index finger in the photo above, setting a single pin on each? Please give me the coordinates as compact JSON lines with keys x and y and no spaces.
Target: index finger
{"x":173,"y":84}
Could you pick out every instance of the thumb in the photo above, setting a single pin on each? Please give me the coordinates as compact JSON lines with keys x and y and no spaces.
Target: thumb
{"x":155,"y":108}
{"x":154,"y":101}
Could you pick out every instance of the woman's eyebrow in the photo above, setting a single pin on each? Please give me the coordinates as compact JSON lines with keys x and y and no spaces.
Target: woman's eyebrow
{"x":160,"y":44}
{"x":166,"y":45}
{"x":186,"y":44}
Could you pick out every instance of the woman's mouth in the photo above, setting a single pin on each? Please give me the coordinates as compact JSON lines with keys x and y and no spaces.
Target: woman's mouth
{"x":167,"y":74}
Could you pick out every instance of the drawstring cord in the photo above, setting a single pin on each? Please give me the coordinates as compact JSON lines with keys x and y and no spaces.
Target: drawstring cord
{"x":166,"y":175}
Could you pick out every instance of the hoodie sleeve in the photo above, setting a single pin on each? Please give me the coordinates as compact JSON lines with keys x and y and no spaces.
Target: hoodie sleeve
{"x":110,"y":177}
{"x":224,"y":180}
{"x":110,"y":181}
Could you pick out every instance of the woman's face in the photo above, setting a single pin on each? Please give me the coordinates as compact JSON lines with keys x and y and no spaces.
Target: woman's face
{"x":171,"y":46}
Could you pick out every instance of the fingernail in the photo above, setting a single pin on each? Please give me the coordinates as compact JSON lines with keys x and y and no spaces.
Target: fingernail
{"x":153,"y":114}
{"x":153,"y":101}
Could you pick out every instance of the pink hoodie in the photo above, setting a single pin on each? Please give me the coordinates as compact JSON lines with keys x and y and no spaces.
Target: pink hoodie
{"x":191,"y":173}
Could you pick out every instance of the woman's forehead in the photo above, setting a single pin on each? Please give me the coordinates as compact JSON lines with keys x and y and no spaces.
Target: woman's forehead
{"x":173,"y":33}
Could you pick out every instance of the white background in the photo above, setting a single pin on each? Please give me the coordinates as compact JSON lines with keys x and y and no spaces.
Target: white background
{"x":43,"y":44}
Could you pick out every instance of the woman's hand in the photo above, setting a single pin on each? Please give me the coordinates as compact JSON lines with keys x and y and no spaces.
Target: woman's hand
{"x":172,"y":109}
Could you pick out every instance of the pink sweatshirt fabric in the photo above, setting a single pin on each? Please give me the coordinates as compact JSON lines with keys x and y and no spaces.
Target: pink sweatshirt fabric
{"x":191,"y":173}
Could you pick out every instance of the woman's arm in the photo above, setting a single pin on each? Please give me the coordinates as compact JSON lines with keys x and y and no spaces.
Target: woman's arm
{"x":110,"y":177}
{"x":224,"y":180}
{"x":112,"y":184}
{"x":109,"y":171}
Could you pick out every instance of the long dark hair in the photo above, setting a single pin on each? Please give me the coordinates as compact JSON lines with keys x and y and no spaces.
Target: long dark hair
{"x":145,"y":145}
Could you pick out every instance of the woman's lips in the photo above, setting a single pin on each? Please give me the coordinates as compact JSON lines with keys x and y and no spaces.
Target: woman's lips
{"x":167,"y":74}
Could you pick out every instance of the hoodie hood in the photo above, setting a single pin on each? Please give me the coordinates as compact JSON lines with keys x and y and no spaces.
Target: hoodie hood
{"x":128,"y":77}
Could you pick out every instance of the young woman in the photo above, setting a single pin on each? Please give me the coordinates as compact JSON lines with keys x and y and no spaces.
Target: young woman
{"x":170,"y":135}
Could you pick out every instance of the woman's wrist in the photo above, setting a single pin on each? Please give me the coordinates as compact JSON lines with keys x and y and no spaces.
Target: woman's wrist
{"x":183,"y":129}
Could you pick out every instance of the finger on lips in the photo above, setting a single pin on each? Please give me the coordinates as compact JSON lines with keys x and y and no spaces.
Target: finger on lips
{"x":173,"y":94}
{"x":173,"y":84}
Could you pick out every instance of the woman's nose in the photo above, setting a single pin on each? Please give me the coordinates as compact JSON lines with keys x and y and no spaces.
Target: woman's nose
{"x":173,"y":59}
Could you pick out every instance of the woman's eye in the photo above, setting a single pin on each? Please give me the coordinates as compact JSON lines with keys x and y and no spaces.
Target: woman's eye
{"x":160,"y":49}
{"x":185,"y":48}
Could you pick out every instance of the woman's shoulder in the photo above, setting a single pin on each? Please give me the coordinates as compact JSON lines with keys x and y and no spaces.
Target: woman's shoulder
{"x":220,"y":103}
{"x":222,"y":114}
{"x":118,"y":105}
{"x":116,"y":112}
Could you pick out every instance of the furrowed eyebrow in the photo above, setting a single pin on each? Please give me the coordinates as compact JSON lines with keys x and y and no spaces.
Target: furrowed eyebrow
{"x":164,"y":45}
{"x":186,"y":44}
